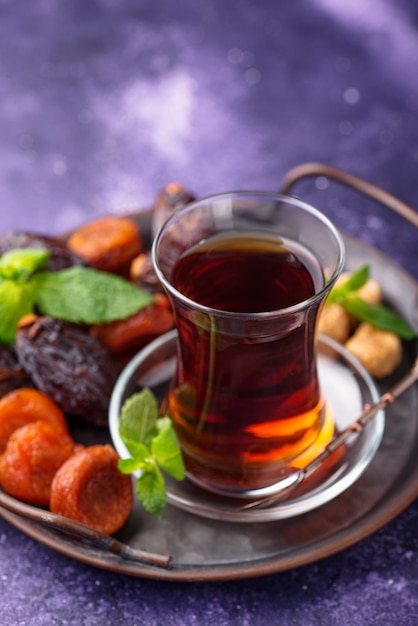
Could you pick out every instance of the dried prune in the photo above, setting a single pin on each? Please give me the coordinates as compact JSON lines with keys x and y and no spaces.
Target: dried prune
{"x":61,"y":256}
{"x":74,"y":369}
{"x":12,"y":374}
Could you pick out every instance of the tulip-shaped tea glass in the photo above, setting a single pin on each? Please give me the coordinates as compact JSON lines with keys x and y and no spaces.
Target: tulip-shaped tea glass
{"x":246,"y":274}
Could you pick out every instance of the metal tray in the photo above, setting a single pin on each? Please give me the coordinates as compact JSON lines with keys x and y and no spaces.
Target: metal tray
{"x":386,"y":488}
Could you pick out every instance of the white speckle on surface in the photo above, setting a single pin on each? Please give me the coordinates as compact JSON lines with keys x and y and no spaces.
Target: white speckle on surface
{"x":321,"y":182}
{"x":59,"y":167}
{"x":252,"y":76}
{"x":351,"y":95}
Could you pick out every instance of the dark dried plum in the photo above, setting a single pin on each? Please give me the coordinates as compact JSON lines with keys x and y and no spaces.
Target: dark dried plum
{"x":61,"y":256}
{"x":73,"y":368}
{"x":12,"y":374}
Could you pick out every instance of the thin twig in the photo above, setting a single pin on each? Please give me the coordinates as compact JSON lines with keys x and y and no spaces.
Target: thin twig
{"x":81,"y":531}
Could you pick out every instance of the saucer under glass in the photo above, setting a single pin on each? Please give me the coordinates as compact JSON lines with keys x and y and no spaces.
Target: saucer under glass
{"x":347,"y":387}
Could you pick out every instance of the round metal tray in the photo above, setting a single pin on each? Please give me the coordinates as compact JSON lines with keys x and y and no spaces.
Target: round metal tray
{"x":388,"y":486}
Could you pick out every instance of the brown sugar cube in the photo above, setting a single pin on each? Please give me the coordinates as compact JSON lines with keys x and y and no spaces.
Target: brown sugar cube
{"x":379,"y":351}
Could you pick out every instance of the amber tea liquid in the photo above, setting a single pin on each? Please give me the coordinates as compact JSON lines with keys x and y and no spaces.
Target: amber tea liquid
{"x":244,"y":402}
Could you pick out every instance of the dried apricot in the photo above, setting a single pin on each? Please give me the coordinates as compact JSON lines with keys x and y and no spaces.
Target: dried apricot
{"x":137,"y":330}
{"x":25,"y":405}
{"x":108,"y":243}
{"x":89,"y":488}
{"x":31,"y":458}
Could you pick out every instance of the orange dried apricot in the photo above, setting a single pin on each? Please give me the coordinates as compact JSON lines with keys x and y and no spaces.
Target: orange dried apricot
{"x":137,"y":330}
{"x":90,"y":489}
{"x":108,"y":243}
{"x":25,"y":405}
{"x":31,"y":458}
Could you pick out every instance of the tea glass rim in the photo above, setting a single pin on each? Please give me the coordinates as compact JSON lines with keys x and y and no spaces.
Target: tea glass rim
{"x":260,"y":315}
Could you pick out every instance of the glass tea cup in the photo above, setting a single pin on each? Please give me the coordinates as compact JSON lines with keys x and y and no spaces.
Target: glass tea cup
{"x":246,"y":274}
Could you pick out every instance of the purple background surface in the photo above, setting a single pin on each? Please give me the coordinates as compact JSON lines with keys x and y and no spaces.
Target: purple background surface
{"x":104,"y":102}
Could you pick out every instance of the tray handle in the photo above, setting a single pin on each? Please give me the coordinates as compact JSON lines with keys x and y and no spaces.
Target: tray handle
{"x":351,"y":181}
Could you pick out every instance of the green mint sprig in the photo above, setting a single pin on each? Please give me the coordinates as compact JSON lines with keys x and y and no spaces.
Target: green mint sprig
{"x":152,"y":443}
{"x":379,"y":316}
{"x":78,"y":294}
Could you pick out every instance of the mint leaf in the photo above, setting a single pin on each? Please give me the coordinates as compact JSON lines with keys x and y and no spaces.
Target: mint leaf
{"x":131,"y":465}
{"x":78,"y":294}
{"x":137,"y":450}
{"x":82,"y":294}
{"x":138,"y":419}
{"x":166,"y":450}
{"x":355,"y":281}
{"x":21,"y":263}
{"x":378,"y":316}
{"x":152,"y":444}
{"x":16,"y":300}
{"x":150,"y":488}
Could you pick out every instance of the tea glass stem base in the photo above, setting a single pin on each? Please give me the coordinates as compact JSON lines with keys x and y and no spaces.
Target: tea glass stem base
{"x":347,"y":388}
{"x":285,"y":476}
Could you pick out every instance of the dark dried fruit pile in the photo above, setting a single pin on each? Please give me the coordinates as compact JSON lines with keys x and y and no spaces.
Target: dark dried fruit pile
{"x":12,"y":374}
{"x":61,"y":256}
{"x":74,"y":369}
